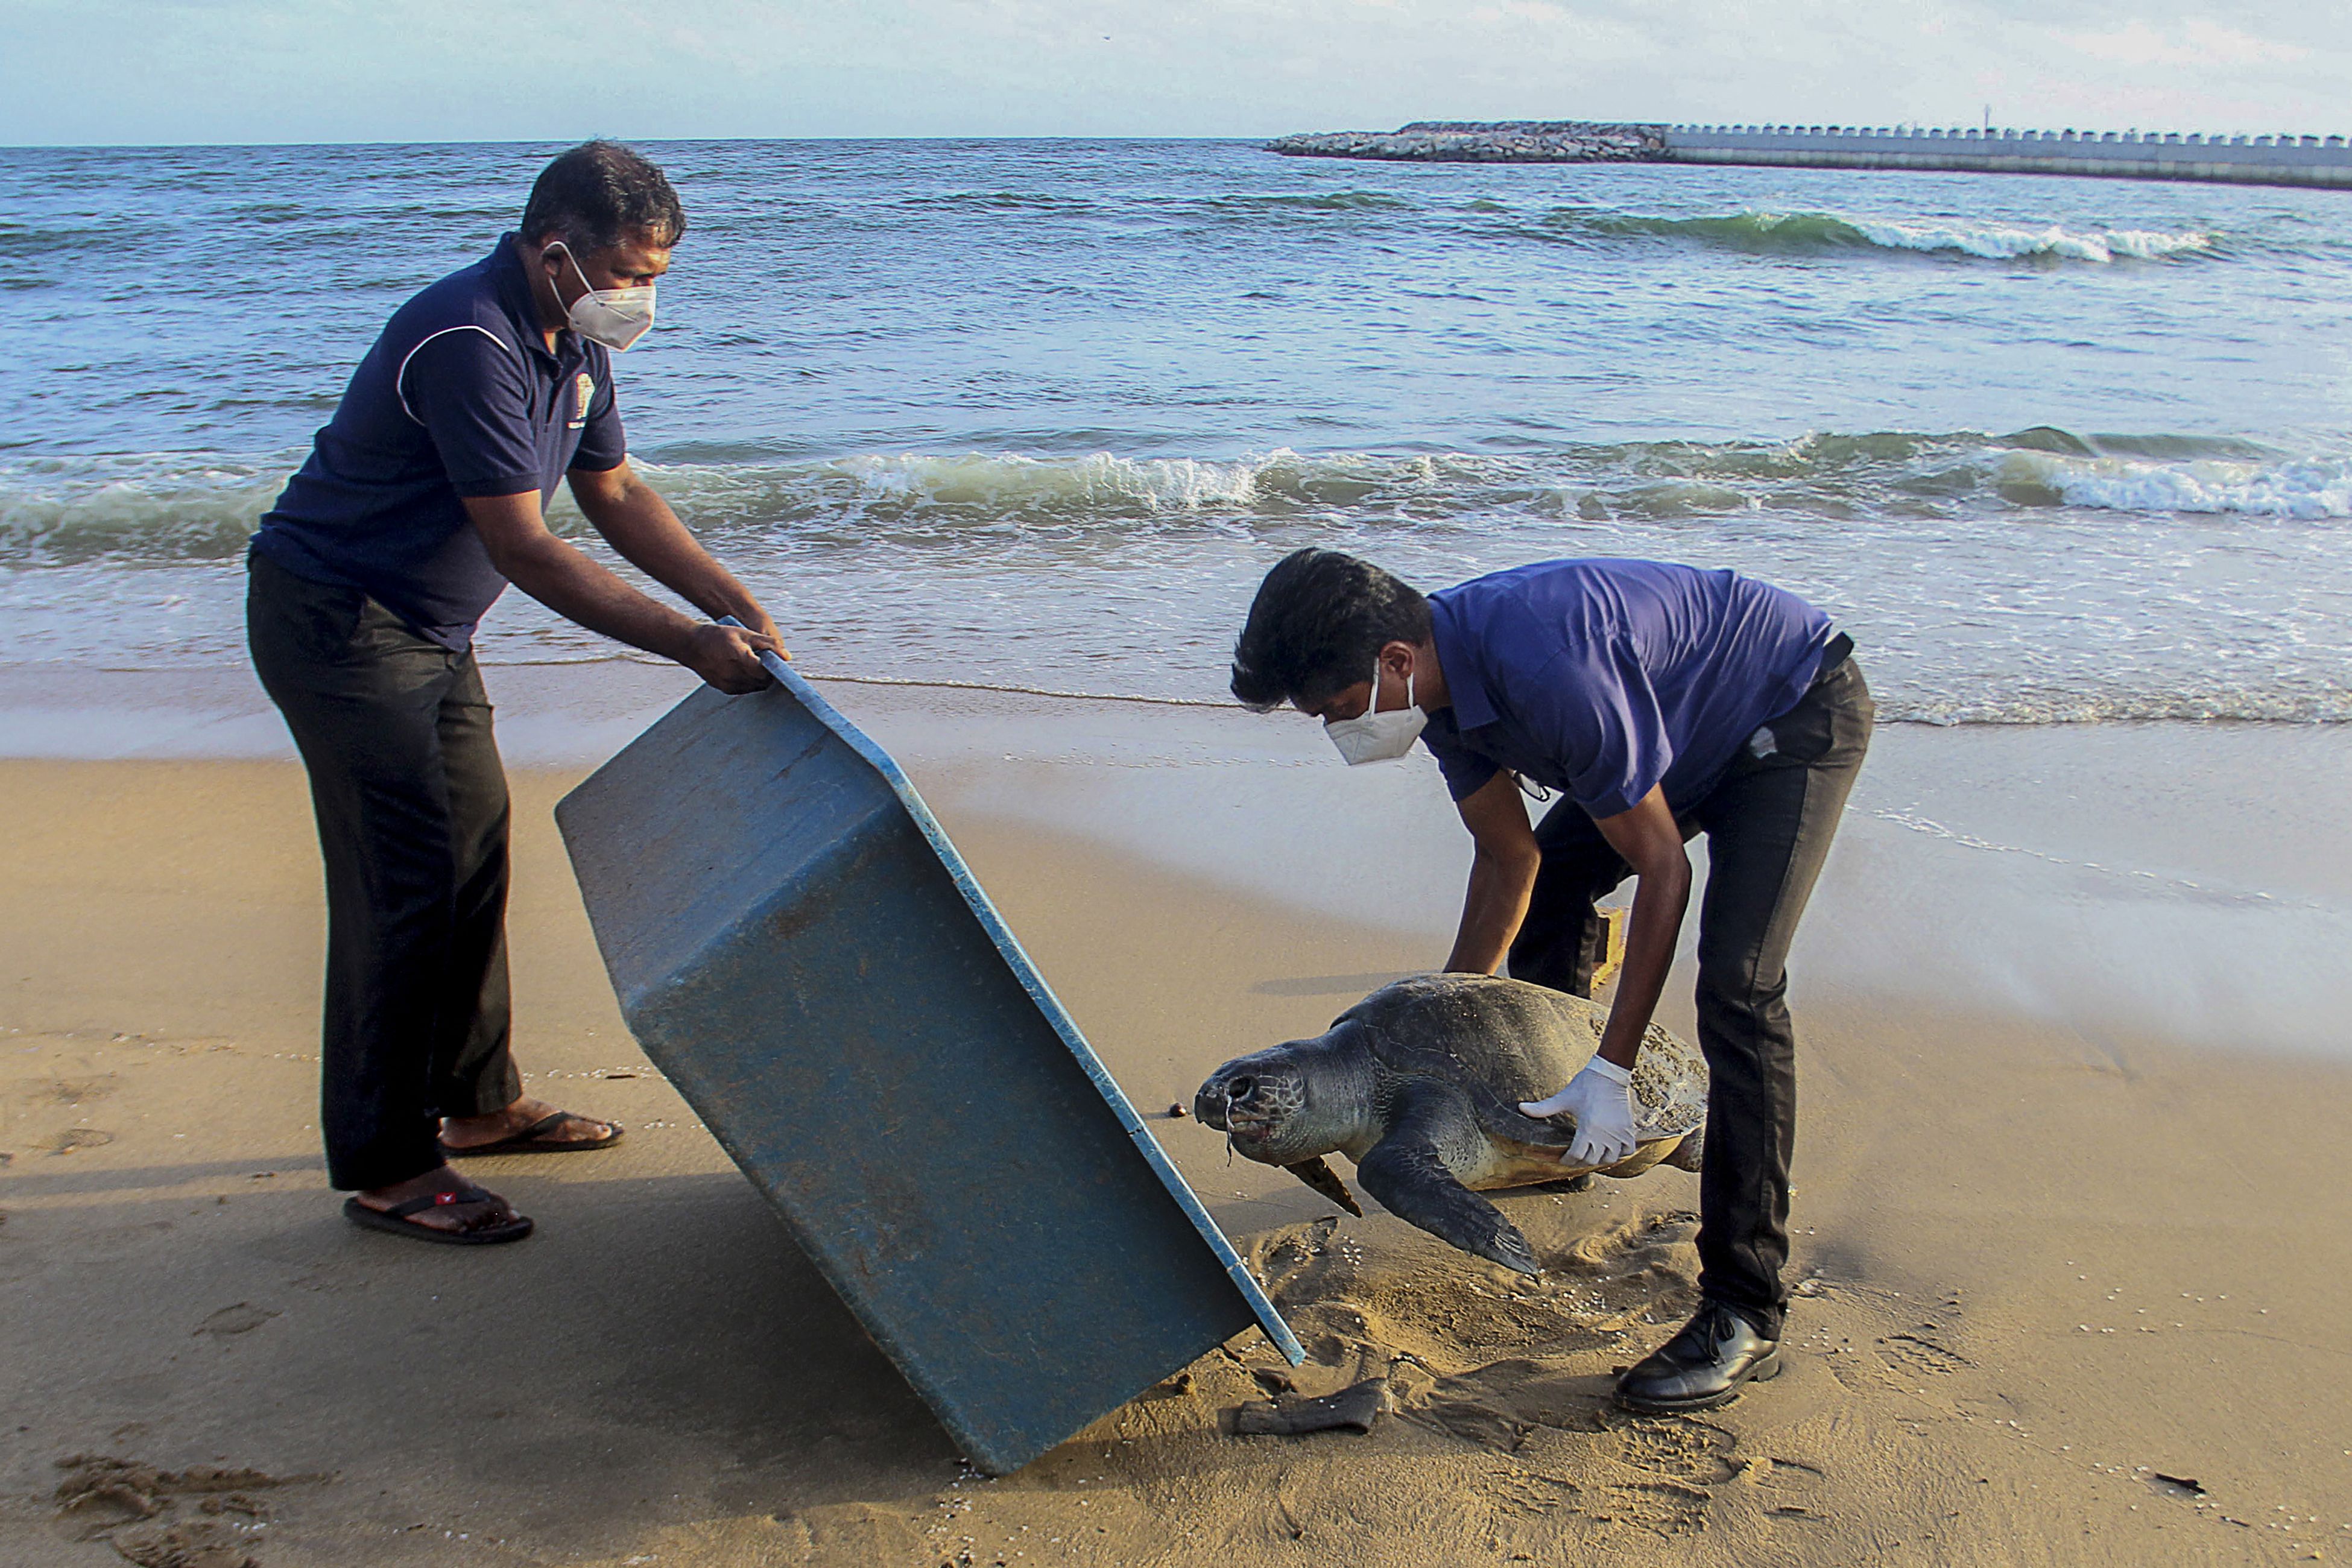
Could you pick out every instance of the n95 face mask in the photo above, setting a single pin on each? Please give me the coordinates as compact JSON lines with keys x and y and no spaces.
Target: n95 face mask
{"x":1375,"y":737}
{"x":614,"y":317}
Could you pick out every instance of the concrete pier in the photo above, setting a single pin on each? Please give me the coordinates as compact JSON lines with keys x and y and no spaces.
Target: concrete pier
{"x":2142,"y":155}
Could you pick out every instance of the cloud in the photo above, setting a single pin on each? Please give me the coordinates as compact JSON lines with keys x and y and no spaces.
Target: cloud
{"x":229,"y":70}
{"x":2196,"y":43}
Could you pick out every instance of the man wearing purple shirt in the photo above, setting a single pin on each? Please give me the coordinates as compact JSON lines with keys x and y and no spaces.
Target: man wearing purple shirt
{"x":1663,"y":701}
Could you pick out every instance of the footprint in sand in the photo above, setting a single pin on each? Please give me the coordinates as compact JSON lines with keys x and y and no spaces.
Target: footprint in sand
{"x":135,"y":1507}
{"x":1909,"y":1353}
{"x":1538,"y":1493}
{"x":1667,"y":1507}
{"x":62,"y":1090}
{"x":1678,"y":1447}
{"x":194,"y":1544}
{"x":74,"y":1139}
{"x":240,"y":1319}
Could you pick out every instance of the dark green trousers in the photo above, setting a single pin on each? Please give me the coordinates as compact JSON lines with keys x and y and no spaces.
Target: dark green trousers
{"x":411,"y":801}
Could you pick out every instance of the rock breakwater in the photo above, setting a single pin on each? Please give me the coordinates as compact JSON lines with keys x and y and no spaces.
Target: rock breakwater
{"x":1497,"y":142}
{"x":2138,"y":155}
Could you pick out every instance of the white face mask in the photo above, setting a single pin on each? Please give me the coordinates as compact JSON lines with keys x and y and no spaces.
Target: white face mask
{"x":1375,"y":737}
{"x":614,"y":317}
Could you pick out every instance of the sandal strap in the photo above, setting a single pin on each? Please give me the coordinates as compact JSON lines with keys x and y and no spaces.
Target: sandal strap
{"x":468,"y":1194}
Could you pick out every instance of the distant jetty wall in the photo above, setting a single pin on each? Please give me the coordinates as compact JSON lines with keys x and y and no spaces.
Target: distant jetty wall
{"x":2149,"y":156}
{"x":1498,"y":142}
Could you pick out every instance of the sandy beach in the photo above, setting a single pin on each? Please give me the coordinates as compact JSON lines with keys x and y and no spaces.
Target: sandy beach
{"x":2069,"y":1276}
{"x":1005,"y":420}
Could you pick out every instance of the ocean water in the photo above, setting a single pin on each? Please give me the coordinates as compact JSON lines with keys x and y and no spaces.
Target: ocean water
{"x":1039,"y":414}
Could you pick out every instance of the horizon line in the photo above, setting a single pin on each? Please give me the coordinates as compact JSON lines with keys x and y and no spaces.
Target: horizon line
{"x":1896,"y":127}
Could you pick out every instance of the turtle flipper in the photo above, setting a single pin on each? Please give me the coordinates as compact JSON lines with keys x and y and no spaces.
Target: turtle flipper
{"x":1318,"y":1174}
{"x":1407,"y":1173}
{"x":1413,"y":1184}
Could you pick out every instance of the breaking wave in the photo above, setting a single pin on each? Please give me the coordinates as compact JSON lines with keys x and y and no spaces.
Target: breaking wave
{"x":2309,"y":490}
{"x":1797,"y":232}
{"x":2035,"y":577}
{"x":183,"y":507}
{"x":161,"y":506}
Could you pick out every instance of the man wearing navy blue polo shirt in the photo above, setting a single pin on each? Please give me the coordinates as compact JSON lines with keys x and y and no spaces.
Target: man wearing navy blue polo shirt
{"x":422,"y":497}
{"x":1663,"y":701}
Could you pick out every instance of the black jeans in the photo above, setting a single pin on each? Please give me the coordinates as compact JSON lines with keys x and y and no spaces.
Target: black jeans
{"x":411,"y":807}
{"x":1769,"y":821}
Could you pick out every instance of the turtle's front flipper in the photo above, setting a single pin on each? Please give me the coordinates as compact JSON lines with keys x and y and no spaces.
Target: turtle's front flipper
{"x":1408,"y":1174}
{"x":1318,"y":1174}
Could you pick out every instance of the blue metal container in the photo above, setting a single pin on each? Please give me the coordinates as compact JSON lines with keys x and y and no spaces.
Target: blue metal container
{"x":799,"y":948}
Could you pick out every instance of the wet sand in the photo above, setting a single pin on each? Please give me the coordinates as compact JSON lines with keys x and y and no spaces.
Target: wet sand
{"x":2050,"y":1256}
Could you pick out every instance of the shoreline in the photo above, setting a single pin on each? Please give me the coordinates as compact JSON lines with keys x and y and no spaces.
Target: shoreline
{"x":2021,"y":1297}
{"x":2193,"y":879}
{"x":2069,"y":1223}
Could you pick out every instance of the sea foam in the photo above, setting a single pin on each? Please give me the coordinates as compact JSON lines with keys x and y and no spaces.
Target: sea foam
{"x":2310,"y":489}
{"x":1767,"y":230}
{"x":2005,"y":242}
{"x":166,"y":506}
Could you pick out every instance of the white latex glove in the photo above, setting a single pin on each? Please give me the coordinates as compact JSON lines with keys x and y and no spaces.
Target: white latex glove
{"x":1601,"y":1098}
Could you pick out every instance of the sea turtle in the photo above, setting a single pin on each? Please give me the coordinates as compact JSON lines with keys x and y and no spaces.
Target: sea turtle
{"x":1420,"y":1085}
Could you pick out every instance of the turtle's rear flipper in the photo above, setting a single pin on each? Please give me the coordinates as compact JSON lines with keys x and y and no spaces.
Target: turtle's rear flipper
{"x":1318,"y":1174}
{"x":1405,"y":1172}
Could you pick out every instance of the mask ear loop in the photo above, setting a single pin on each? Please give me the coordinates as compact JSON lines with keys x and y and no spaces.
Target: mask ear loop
{"x":1375,"y":705}
{"x":577,"y":271}
{"x":592,"y":292}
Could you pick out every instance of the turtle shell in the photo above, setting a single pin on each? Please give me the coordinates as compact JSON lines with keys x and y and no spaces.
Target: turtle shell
{"x":1503,"y":1041}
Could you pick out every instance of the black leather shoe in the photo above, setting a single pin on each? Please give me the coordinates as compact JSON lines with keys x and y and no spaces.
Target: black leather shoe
{"x":1701,"y":1367}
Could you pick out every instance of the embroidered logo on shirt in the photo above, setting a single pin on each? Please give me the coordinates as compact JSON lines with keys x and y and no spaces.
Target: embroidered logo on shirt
{"x":583,"y":392}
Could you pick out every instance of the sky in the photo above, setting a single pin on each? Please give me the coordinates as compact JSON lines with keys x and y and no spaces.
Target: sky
{"x":203,"y":71}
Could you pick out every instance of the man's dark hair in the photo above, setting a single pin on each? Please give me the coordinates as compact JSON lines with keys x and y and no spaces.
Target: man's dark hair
{"x":595,"y":194}
{"x":1319,"y":620}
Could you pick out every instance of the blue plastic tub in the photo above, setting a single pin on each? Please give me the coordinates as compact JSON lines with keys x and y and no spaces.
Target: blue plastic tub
{"x":799,"y":948}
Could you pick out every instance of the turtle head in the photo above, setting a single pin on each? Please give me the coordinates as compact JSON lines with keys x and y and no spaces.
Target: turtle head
{"x":1267,"y":1106}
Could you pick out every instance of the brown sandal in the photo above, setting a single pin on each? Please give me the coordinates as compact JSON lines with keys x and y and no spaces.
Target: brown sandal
{"x":531,"y":1140}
